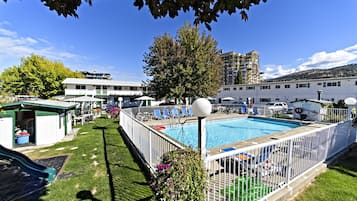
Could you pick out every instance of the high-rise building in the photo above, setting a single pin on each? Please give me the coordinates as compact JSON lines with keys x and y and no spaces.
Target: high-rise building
{"x":240,"y":68}
{"x":95,"y":75}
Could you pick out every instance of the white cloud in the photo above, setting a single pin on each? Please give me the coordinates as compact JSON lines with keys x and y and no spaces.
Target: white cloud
{"x":4,"y":23}
{"x":6,"y":32}
{"x":14,"y":47}
{"x":319,"y":60}
{"x":273,"y":71}
{"x":330,"y":59}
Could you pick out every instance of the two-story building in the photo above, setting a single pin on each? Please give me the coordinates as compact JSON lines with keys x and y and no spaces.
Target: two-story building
{"x":332,"y":89}
{"x":109,"y":90}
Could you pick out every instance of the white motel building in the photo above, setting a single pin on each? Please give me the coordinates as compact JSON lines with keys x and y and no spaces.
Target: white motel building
{"x":109,"y":90}
{"x":332,"y":89}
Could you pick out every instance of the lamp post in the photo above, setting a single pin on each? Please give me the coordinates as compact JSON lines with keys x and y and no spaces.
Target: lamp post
{"x":201,"y":108}
{"x":120,"y":99}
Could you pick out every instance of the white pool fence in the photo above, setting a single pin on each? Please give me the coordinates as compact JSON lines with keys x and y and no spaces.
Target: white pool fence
{"x":250,"y":173}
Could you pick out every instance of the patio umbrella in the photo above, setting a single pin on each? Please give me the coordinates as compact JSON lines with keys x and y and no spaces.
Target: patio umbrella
{"x":143,"y":98}
{"x":228,"y":98}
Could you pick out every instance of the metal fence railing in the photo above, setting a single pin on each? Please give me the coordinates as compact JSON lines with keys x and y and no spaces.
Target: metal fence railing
{"x":250,"y":173}
{"x":256,"y":172}
{"x":150,"y":144}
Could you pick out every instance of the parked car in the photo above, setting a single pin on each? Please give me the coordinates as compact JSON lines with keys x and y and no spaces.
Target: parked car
{"x":278,"y":106}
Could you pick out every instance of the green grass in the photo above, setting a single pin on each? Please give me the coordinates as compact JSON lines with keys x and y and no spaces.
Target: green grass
{"x":102,"y":165}
{"x":339,"y":182}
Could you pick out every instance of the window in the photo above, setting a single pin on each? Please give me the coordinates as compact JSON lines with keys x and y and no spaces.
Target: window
{"x":240,"y":88}
{"x":116,"y":88}
{"x":355,"y":82}
{"x":287,"y":86}
{"x":265,"y":100}
{"x":319,"y":84}
{"x":265,"y":87}
{"x":250,"y":88}
{"x":303,"y":85}
{"x":277,"y":86}
{"x":133,"y":88}
{"x":226,"y":89}
{"x":332,"y":84}
{"x":235,"y":89}
{"x":80,"y":86}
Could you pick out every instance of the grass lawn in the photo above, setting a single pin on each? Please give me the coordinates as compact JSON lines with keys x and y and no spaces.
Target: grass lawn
{"x":339,"y":182}
{"x":100,"y":167}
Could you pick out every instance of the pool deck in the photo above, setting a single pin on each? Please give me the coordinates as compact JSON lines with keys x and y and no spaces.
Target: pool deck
{"x":245,"y":143}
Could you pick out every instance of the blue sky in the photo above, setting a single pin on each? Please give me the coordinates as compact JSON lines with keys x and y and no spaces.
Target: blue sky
{"x":112,"y":36}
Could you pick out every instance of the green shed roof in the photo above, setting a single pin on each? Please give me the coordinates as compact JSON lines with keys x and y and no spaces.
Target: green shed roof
{"x":40,"y":104}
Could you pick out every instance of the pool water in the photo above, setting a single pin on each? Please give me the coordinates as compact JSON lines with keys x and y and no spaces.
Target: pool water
{"x":222,"y":132}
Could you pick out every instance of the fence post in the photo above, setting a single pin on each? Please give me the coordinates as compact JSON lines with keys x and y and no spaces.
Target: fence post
{"x":288,"y":170}
{"x":150,"y":150}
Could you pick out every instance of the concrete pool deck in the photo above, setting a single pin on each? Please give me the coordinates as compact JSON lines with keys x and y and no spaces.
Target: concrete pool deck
{"x":245,"y":143}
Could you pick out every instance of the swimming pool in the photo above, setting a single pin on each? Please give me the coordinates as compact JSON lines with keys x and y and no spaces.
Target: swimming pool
{"x":222,"y":132}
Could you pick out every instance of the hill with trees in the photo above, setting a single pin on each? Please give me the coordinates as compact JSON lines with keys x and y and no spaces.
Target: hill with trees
{"x":340,"y":71}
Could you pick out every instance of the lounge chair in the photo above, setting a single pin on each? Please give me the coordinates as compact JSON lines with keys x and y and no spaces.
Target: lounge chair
{"x":189,"y":112}
{"x":255,"y":111}
{"x":244,"y":110}
{"x":258,"y":164}
{"x":175,"y":113}
{"x":166,"y":113}
{"x":184,"y":112}
{"x":158,"y":115}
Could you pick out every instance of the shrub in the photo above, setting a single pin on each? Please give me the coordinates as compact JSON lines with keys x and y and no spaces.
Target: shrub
{"x":113,"y":112}
{"x":180,"y":176}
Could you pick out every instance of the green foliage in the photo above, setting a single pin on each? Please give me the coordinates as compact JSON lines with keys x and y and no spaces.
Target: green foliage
{"x":181,"y":176}
{"x":188,"y":66}
{"x":246,"y":188}
{"x":36,"y":76}
{"x":205,"y":11}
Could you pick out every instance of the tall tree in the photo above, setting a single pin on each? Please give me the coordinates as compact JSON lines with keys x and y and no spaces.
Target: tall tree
{"x":205,"y":11}
{"x":187,"y":66}
{"x":36,"y":76}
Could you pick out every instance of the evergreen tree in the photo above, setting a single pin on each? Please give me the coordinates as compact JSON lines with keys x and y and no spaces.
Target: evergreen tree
{"x":188,"y":66}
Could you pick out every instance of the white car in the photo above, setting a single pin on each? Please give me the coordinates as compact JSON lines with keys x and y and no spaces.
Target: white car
{"x":278,"y":106}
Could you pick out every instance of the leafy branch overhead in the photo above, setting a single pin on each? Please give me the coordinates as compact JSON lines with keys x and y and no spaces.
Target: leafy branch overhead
{"x":205,"y":11}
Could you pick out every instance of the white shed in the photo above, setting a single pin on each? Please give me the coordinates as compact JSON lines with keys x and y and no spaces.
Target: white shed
{"x":40,"y":122}
{"x":311,"y":109}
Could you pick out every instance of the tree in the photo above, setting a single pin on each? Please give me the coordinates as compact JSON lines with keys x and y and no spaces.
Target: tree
{"x":188,"y":66}
{"x":36,"y":76}
{"x":205,"y":11}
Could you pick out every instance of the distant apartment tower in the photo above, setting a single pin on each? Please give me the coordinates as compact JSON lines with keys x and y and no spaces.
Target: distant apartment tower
{"x":95,"y":75}
{"x":245,"y":64}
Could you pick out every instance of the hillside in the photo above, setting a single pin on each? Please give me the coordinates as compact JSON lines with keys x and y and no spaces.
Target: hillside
{"x":341,"y":71}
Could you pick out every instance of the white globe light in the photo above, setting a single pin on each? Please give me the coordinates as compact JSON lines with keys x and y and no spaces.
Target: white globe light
{"x":201,"y":107}
{"x":350,"y":101}
{"x":120,"y":99}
